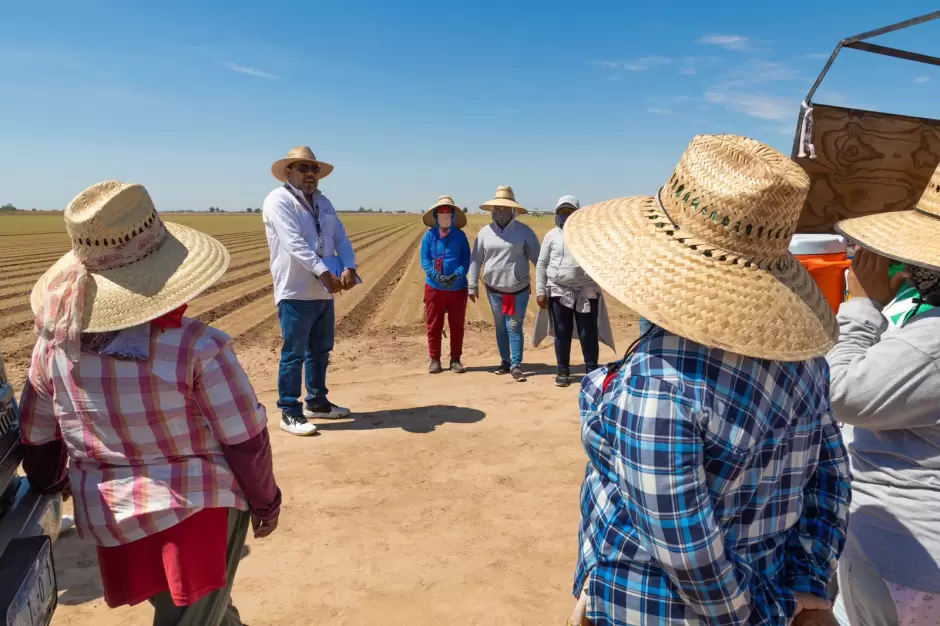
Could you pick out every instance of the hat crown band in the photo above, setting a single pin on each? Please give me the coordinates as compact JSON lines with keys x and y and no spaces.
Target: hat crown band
{"x":736,"y":194}
{"x":113,"y":224}
{"x":929,"y":202}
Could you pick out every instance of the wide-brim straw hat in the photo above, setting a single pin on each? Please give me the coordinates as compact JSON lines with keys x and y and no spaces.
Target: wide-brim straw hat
{"x":504,"y":198}
{"x":111,"y":224}
{"x":460,"y":219}
{"x":300,"y":154}
{"x":909,"y":236}
{"x":708,"y":258}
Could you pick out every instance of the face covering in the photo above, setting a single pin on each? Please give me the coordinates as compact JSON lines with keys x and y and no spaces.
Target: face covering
{"x":561,"y":218}
{"x":926,"y":282}
{"x":445,"y":220}
{"x":502,"y":216}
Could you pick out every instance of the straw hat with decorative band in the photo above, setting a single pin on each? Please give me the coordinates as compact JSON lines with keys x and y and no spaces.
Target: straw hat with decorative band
{"x":460,"y":220}
{"x":126,"y":266}
{"x":707,"y":257}
{"x":909,"y":236}
{"x":505,"y":198}
{"x":300,"y":154}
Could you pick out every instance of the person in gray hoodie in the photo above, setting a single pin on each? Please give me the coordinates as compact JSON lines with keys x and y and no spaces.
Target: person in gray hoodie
{"x":569,"y":294}
{"x":885,"y":389}
{"x":504,"y":249}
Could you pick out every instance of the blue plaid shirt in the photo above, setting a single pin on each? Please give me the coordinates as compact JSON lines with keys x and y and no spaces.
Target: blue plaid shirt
{"x":717,"y":485}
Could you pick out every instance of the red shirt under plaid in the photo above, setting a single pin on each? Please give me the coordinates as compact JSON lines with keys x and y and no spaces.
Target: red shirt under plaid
{"x":144,"y":436}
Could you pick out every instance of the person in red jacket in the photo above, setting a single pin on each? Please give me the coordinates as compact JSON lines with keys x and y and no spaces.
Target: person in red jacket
{"x":169,"y":449}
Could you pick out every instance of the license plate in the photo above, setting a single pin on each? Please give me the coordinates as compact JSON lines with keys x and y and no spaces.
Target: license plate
{"x":32,"y":596}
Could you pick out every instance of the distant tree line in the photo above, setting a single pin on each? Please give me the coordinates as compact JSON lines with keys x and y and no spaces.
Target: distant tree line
{"x":9,"y":207}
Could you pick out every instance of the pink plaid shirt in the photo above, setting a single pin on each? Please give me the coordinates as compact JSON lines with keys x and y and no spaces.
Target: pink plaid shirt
{"x":144,"y":437}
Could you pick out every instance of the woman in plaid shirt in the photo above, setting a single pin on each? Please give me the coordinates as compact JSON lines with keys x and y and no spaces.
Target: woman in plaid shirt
{"x":170,"y":457}
{"x":717,"y":487}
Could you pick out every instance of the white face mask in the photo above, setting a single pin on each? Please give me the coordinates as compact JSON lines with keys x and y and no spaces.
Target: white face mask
{"x":445,"y":220}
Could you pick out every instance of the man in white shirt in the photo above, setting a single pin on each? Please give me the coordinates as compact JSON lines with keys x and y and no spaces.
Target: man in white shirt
{"x":311,"y":259}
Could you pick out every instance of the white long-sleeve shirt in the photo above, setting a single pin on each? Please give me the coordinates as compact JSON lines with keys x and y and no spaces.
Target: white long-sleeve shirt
{"x":292,"y":239}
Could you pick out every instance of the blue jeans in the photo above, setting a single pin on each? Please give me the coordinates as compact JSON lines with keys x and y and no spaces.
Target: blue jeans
{"x":307,"y":327}
{"x":509,"y":329}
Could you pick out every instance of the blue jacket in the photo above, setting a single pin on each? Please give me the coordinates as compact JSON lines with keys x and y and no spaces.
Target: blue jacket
{"x":454,"y":248}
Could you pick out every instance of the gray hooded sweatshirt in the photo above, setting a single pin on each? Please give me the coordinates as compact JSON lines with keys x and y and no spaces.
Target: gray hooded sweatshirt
{"x":505,"y":254}
{"x":885,"y":388}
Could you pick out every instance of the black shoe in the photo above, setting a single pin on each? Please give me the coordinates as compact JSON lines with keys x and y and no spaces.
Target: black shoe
{"x":328,"y":411}
{"x":503,"y":369}
{"x":562,"y":380}
{"x":518,"y":375}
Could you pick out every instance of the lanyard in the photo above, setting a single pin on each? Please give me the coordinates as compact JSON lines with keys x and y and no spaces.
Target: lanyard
{"x":314,"y":211}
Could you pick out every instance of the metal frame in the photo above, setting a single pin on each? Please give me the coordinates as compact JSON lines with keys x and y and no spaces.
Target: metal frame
{"x":858,"y":42}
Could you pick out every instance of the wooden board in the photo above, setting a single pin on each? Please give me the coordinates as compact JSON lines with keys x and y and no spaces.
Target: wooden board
{"x":866,"y":162}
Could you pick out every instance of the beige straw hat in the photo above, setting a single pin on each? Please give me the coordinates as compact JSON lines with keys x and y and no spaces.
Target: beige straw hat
{"x":297,"y":155}
{"x":708,"y":257}
{"x":460,"y":220}
{"x":505,"y":198}
{"x":909,"y":236}
{"x":138,"y":267}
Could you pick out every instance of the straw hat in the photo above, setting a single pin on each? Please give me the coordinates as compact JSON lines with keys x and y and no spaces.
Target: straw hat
{"x":505,"y":198}
{"x":298,"y":155}
{"x":909,"y":236}
{"x":460,"y":220}
{"x":707,"y":258}
{"x":138,"y":267}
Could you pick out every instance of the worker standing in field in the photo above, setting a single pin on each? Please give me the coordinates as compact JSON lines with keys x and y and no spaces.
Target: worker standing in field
{"x":311,"y":259}
{"x":568,"y":297}
{"x":168,"y":443}
{"x":505,"y":248}
{"x":445,"y":258}
{"x":717,"y":488}
{"x":885,"y":385}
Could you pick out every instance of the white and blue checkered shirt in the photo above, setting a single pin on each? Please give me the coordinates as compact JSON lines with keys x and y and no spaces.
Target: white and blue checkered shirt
{"x":717,"y":485}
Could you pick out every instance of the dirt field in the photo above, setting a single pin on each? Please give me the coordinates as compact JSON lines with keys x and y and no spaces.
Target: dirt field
{"x":443,"y":500}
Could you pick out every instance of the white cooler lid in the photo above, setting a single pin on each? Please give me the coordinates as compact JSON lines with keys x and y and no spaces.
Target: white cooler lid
{"x":817,"y":244}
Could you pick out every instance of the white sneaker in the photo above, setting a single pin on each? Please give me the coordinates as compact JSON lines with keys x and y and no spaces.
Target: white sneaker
{"x":297,"y":426}
{"x":328,"y":411}
{"x":68,"y":523}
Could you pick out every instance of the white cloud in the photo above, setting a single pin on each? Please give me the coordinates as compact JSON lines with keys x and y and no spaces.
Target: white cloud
{"x":692,"y":65}
{"x":756,"y":105}
{"x":658,"y":111}
{"x":637,"y":65}
{"x":922,"y":79}
{"x":756,"y":72}
{"x":250,"y":71}
{"x":728,"y":42}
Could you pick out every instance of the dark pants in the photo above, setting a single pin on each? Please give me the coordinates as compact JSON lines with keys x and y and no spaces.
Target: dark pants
{"x":563,"y":320}
{"x":453,"y":304}
{"x":307,"y":328}
{"x":215,"y":608}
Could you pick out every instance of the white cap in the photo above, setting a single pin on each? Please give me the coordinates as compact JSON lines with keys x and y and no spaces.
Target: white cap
{"x":571,"y":201}
{"x":817,"y":244}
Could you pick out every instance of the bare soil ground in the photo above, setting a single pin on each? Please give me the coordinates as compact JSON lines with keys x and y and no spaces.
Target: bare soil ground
{"x":443,"y":500}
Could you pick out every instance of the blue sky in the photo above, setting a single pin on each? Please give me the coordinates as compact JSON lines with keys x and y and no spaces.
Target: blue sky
{"x":411,"y":100}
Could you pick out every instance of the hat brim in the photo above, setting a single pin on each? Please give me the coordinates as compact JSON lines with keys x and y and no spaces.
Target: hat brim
{"x":460,"y":219}
{"x":908,"y":236}
{"x":630,"y":247}
{"x":279,"y":168}
{"x":187,"y":263}
{"x":509,"y":204}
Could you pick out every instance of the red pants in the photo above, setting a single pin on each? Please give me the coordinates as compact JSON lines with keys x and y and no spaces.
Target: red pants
{"x":437,"y":302}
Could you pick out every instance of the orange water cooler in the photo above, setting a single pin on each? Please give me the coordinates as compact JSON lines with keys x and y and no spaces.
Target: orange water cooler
{"x":826,"y":258}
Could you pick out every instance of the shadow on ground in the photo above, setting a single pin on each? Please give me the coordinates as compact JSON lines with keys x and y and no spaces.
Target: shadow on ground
{"x":418,"y":420}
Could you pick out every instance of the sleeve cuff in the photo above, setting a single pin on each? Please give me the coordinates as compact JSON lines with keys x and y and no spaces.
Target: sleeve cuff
{"x":319,"y":269}
{"x":808,"y":584}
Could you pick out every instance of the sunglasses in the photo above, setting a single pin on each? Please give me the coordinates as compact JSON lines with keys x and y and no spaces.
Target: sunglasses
{"x":305,"y":168}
